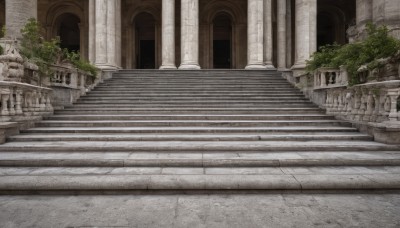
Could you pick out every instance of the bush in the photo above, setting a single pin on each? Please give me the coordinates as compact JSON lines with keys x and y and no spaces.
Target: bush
{"x":44,"y":53}
{"x":80,"y":63}
{"x":36,"y":49}
{"x":379,"y":44}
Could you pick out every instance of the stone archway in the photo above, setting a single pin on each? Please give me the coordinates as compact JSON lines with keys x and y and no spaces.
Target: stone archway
{"x":67,"y":19}
{"x":67,"y":29}
{"x":145,"y":41}
{"x":221,"y":41}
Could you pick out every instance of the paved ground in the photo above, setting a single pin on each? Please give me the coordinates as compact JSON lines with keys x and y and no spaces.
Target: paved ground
{"x":269,"y":210}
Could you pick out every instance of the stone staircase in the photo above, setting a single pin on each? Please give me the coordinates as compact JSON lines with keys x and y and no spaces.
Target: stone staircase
{"x":208,"y":130}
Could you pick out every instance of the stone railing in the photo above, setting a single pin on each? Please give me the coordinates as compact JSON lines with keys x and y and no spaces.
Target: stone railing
{"x":69,"y":77}
{"x":330,"y":77}
{"x":370,"y":102}
{"x":372,"y":106}
{"x":23,"y":102}
{"x":69,"y":84}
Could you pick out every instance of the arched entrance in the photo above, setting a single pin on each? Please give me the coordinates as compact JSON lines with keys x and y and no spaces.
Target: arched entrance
{"x":68,"y":31}
{"x":222,"y":41}
{"x":145,"y":41}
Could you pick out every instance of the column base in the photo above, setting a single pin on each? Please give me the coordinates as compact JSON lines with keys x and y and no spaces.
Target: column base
{"x":189,"y":67}
{"x":269,"y":66}
{"x":255,"y":67}
{"x":168,"y":67}
{"x":299,"y":66}
{"x":103,"y":66}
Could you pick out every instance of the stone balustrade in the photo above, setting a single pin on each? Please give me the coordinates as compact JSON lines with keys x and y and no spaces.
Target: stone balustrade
{"x":370,"y":102}
{"x":330,"y":78}
{"x":69,"y":83}
{"x":20,"y":101}
{"x":69,"y":77}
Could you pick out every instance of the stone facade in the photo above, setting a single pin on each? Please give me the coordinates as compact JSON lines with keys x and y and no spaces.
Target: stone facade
{"x":194,"y":34}
{"x":110,"y":32}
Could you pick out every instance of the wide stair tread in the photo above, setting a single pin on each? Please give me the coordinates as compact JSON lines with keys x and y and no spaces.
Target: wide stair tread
{"x":195,"y":130}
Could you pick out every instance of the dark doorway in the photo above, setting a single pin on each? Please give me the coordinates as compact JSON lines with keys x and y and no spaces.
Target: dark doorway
{"x":222,"y":54}
{"x":145,"y":41}
{"x":326,"y":30}
{"x":69,"y":32}
{"x":146,"y":53}
{"x":222,"y":42}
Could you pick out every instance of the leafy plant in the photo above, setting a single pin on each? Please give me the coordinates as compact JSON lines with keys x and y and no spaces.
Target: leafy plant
{"x":379,"y":44}
{"x":78,"y":62}
{"x":2,"y":34}
{"x":36,"y":49}
{"x":44,"y":53}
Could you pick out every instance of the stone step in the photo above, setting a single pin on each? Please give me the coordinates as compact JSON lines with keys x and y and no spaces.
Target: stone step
{"x":196,"y":85}
{"x":272,"y":179}
{"x":199,"y":87}
{"x":186,"y":111}
{"x":190,"y":123}
{"x":186,"y":146}
{"x":231,"y":110}
{"x":198,"y":137}
{"x":176,"y":100}
{"x":190,"y":117}
{"x":120,"y":105}
{"x":211,"y":81}
{"x":191,"y":130}
{"x":200,"y":159}
{"x":133,"y":96}
{"x":282,"y":92}
{"x":195,"y":90}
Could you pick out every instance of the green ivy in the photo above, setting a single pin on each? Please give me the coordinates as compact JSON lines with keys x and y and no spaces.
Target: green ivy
{"x":378,"y":44}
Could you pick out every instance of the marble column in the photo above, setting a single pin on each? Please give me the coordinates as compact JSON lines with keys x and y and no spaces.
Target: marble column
{"x":255,"y":35}
{"x":189,"y":35}
{"x":106,"y":33}
{"x":92,"y":30}
{"x":281,"y":35}
{"x":363,"y":12}
{"x":306,"y":32}
{"x":168,"y":35}
{"x":17,"y":14}
{"x":386,"y":12}
{"x":268,"y":42}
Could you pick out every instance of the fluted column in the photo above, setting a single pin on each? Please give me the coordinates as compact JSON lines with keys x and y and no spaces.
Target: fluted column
{"x":189,"y":35}
{"x":168,"y":35}
{"x":268,"y":42}
{"x":306,"y":31}
{"x":255,"y":34}
{"x":17,"y":14}
{"x":106,"y":28}
{"x":282,"y":35}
